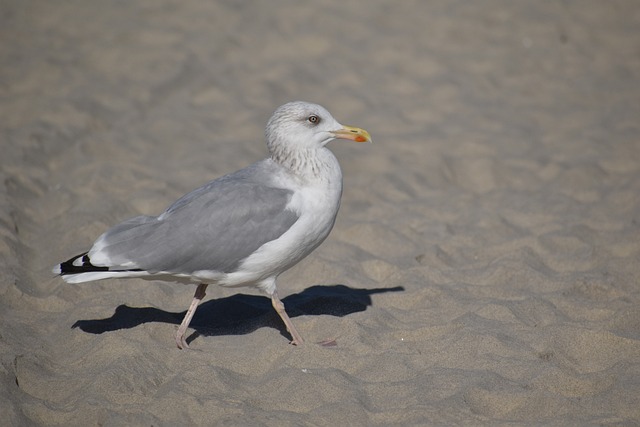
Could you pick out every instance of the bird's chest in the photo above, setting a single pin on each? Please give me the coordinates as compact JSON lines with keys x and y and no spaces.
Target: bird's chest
{"x":317,"y":206}
{"x":317,"y":190}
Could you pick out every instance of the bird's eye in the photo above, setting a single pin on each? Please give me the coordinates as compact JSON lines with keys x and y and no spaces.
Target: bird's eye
{"x":314,"y":119}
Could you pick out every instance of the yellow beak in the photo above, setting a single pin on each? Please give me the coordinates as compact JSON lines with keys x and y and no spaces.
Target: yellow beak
{"x":352,"y":133}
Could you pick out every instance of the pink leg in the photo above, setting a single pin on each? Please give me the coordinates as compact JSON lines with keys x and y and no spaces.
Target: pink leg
{"x":197,"y":298}
{"x":279,"y":306}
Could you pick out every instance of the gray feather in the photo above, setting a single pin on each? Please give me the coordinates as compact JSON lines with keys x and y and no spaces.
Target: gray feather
{"x":214,"y":227}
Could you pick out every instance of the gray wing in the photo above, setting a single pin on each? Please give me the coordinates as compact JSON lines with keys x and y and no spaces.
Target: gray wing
{"x":212,"y":228}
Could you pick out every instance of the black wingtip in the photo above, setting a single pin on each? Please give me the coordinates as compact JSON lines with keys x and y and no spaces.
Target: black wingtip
{"x":70,"y":266}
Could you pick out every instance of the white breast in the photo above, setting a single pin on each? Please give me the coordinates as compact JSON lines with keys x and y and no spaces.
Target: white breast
{"x":316,"y":200}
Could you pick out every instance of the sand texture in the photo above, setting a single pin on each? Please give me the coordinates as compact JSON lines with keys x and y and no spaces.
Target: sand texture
{"x":485,"y":265}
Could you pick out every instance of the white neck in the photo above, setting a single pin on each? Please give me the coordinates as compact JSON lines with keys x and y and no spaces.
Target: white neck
{"x":316,"y":164}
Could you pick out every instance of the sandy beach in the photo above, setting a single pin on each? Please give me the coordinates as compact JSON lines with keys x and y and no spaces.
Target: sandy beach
{"x":485,"y":265}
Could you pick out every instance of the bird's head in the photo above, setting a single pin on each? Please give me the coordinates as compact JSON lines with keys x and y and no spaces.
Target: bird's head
{"x":302,"y":126}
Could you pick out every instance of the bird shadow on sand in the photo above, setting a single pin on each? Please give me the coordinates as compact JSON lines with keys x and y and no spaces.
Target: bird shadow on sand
{"x":242,"y":314}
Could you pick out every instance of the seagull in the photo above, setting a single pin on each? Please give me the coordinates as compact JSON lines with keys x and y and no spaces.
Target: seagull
{"x":242,"y":229}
